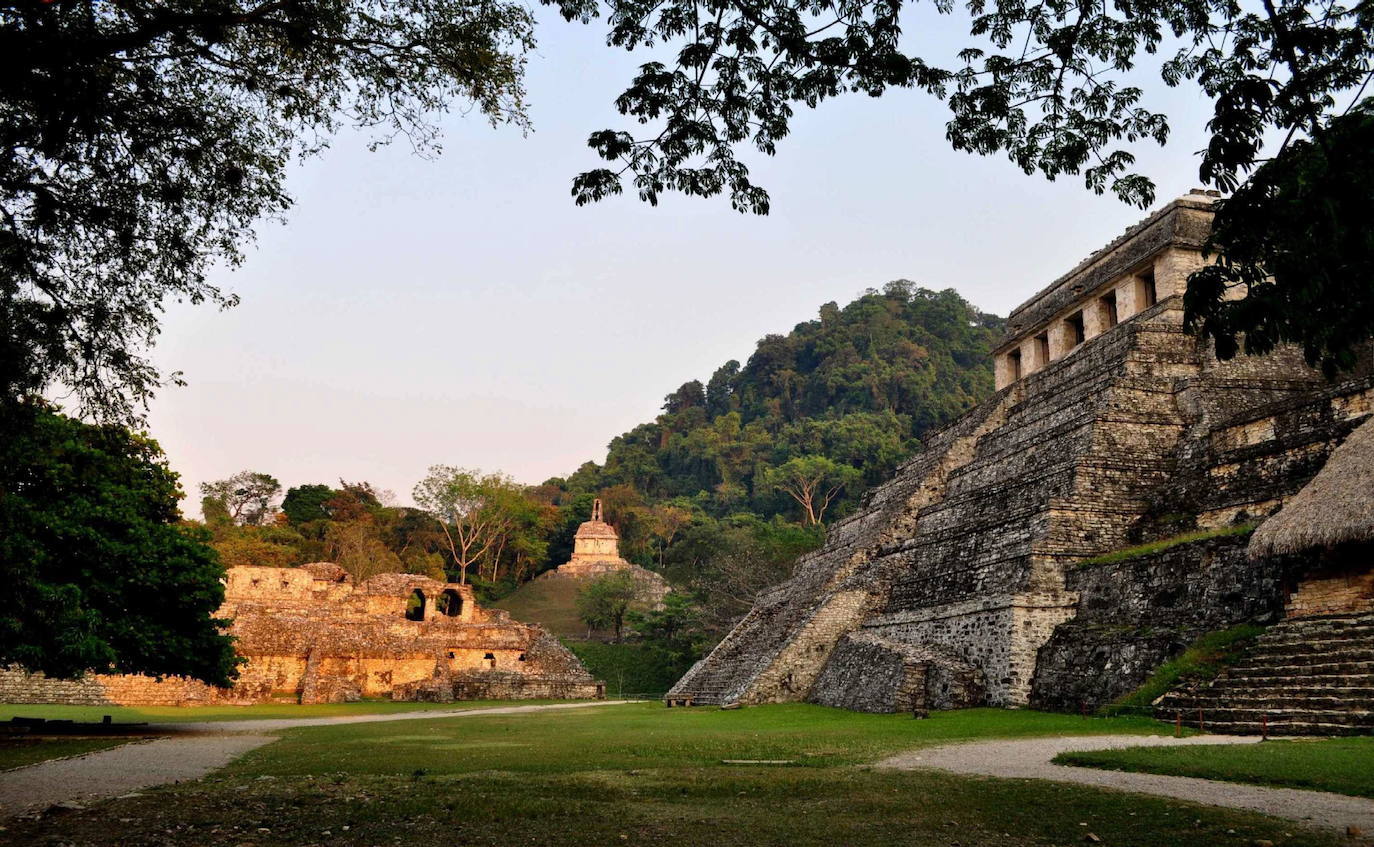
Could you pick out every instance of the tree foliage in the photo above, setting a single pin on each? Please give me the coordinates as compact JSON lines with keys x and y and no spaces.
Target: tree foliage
{"x":247,"y":498}
{"x":814,"y":482}
{"x":1051,"y":84}
{"x":99,"y":575}
{"x":604,"y":602}
{"x":1296,"y":252}
{"x":481,"y":515}
{"x":143,"y":139}
{"x":858,"y":388}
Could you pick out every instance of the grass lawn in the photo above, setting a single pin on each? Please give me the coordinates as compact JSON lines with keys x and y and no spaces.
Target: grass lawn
{"x":1342,"y":765}
{"x":183,"y":714}
{"x":643,"y":774}
{"x":18,"y":752}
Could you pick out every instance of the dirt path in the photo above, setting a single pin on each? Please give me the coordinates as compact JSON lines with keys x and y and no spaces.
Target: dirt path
{"x":1030,"y":759}
{"x":194,"y":750}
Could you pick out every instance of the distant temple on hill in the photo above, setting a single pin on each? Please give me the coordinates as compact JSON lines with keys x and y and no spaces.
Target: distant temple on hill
{"x":596,"y":551}
{"x":596,"y":548}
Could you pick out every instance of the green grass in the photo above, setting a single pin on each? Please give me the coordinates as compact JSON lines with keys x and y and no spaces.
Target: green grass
{"x":629,"y":670}
{"x":184,"y":714}
{"x":1166,"y":543}
{"x":1204,"y":659}
{"x":644,"y":774}
{"x":1342,"y":765}
{"x":19,"y":752}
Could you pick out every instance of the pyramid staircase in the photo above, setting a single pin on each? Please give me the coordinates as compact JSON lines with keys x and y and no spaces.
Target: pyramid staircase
{"x":1305,"y":676}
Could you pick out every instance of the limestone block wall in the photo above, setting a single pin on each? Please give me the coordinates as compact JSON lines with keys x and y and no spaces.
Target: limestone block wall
{"x":1342,"y":583}
{"x":870,"y":674}
{"x":1136,"y":614}
{"x":102,"y":690}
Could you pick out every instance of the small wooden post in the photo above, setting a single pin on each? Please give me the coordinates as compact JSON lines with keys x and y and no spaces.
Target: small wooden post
{"x":1178,"y":723}
{"x":1083,"y":707}
{"x":1200,"y":726}
{"x":1264,"y":727}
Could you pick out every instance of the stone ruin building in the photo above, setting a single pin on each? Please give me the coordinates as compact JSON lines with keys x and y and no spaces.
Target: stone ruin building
{"x":970,"y":577}
{"x":596,"y":552}
{"x":311,"y":635}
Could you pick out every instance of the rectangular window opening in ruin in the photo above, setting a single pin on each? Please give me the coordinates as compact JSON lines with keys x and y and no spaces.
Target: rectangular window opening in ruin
{"x":1014,"y":364}
{"x":1147,"y":295}
{"x":1077,"y":334}
{"x":1042,"y":349}
{"x":1108,"y":306}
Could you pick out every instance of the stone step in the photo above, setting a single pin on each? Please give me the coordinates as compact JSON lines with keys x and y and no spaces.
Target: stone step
{"x":1255,"y":670}
{"x":1290,"y":637}
{"x":1358,"y":651}
{"x":1301,"y":682}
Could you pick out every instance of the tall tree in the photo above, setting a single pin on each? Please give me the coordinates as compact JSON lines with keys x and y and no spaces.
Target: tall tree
{"x":306,"y":503}
{"x":814,"y":482}
{"x":248,"y":498}
{"x":143,"y":139}
{"x":604,"y":602}
{"x":466,"y":504}
{"x":1296,"y":252}
{"x":98,"y":574}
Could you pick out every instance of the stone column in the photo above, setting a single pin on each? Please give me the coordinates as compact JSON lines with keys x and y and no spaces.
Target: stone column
{"x":1129,"y":297}
{"x":1061,"y":340}
{"x":1032,"y":355}
{"x":1172,"y":268}
{"x":1095,"y":318}
{"x":1004,"y":371}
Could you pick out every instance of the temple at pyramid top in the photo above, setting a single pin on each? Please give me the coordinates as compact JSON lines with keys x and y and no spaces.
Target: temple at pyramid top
{"x":596,"y":547}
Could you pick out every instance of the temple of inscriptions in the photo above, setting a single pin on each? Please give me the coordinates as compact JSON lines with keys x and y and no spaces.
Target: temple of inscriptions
{"x":970,"y":577}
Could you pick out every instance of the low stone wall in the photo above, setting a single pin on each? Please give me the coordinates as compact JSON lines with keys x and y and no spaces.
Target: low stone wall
{"x":1136,"y":614}
{"x":1347,"y":588}
{"x":103,"y":690}
{"x":871,"y":674}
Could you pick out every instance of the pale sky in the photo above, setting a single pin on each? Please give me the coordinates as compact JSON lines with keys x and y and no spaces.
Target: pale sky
{"x":462,"y":310}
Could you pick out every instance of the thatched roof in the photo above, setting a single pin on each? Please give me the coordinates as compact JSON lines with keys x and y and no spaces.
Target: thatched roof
{"x":1335,"y":507}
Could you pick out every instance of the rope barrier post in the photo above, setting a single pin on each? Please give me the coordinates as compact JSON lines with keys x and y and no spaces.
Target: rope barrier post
{"x":1200,"y":727}
{"x":1178,"y":723}
{"x":1264,"y":727}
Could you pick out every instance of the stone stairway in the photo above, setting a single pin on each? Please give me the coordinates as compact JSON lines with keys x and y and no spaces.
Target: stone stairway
{"x":1307,"y":676}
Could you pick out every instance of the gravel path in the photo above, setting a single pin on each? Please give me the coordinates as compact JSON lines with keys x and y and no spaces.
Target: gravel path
{"x":1030,"y":759}
{"x":195,"y":750}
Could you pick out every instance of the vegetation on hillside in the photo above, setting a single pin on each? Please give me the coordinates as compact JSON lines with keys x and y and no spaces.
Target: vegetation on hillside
{"x":721,"y":492}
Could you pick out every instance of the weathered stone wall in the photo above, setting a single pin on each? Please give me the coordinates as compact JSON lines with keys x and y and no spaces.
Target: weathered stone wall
{"x":310,"y":634}
{"x":1136,"y":614}
{"x":102,"y":690}
{"x":867,"y":673}
{"x":1340,"y":583}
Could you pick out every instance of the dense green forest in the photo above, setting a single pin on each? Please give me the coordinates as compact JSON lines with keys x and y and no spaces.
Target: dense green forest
{"x":721,"y":492}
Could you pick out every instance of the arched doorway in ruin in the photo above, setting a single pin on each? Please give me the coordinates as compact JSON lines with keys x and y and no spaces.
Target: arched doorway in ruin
{"x":415,"y":606}
{"x":450,"y":603}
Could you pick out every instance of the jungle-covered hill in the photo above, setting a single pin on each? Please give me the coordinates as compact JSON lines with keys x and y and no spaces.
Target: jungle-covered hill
{"x":857,"y":388}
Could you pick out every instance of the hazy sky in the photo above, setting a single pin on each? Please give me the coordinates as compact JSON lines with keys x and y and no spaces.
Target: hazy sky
{"x":462,"y":310}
